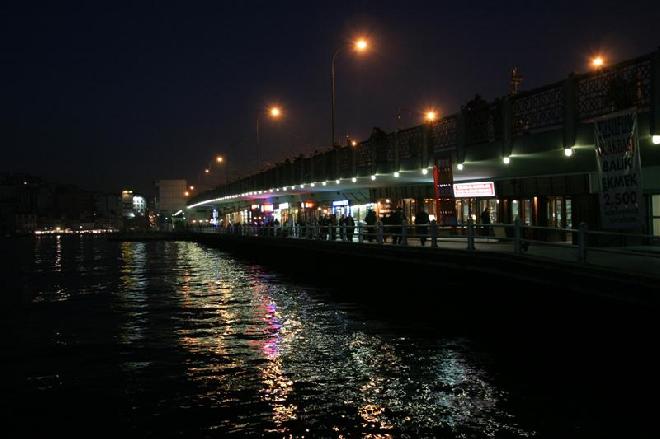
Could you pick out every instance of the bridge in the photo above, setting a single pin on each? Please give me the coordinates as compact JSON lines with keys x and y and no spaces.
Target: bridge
{"x":535,"y":147}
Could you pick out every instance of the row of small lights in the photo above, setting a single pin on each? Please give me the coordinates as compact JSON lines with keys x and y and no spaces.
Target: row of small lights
{"x":286,"y":188}
{"x":568,"y":152}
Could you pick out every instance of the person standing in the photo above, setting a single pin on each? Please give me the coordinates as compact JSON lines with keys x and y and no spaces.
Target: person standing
{"x":350,"y":227}
{"x":485,"y":219}
{"x":421,"y":225}
{"x":370,"y":219}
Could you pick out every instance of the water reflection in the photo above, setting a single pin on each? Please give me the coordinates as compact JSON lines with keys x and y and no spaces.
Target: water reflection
{"x":249,"y":354}
{"x":132,"y":292}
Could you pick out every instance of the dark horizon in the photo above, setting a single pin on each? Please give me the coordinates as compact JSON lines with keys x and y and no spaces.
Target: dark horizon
{"x":109,"y":97}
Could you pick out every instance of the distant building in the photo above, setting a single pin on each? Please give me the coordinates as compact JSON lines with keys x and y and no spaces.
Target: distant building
{"x":170,"y":196}
{"x":28,"y":204}
{"x":133,"y":204}
{"x":107,"y":210}
{"x":139,"y":205}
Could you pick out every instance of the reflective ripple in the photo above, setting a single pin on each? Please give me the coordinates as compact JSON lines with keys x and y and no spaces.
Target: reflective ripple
{"x":179,"y":339}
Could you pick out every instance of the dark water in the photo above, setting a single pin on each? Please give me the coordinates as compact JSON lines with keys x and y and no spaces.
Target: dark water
{"x":169,"y":339}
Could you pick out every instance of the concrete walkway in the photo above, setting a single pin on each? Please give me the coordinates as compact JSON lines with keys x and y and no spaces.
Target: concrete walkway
{"x":638,"y":259}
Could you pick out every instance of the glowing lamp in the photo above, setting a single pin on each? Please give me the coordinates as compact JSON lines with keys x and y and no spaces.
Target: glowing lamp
{"x":361,"y":45}
{"x":430,"y":116}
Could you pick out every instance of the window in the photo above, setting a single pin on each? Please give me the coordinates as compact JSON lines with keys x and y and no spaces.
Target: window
{"x":559,"y":212}
{"x":515,"y":210}
{"x":527,"y":212}
{"x":655,"y":201}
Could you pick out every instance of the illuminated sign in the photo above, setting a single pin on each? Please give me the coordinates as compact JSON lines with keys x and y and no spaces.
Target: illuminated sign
{"x":476,"y":189}
{"x":340,"y":203}
{"x":267,"y":207}
{"x":309,"y":204}
{"x":255,"y":206}
{"x":283,"y":206}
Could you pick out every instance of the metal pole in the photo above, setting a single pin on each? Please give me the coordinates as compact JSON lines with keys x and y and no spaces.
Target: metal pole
{"x":470,"y":237}
{"x":516,"y":235}
{"x":258,"y":148}
{"x":333,"y":94}
{"x":582,"y":242}
{"x":434,"y":233}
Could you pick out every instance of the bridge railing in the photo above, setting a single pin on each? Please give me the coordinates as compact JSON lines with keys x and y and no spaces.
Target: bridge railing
{"x":581,"y":245}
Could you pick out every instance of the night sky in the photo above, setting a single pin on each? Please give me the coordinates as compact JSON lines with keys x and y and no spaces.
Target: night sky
{"x":109,"y":95}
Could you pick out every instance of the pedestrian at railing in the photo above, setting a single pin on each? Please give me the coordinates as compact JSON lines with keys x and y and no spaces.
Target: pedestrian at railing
{"x":370,"y":229}
{"x":421,"y":226}
{"x":350,"y":227}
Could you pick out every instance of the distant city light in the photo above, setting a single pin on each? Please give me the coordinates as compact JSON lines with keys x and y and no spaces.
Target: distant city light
{"x":206,"y":171}
{"x":506,"y":160}
{"x":397,"y":174}
{"x":219,"y":159}
{"x":373,"y":177}
{"x":192,"y":188}
{"x":324,"y":183}
{"x":186,"y":193}
{"x":425,"y":171}
{"x":354,"y":179}
{"x":353,"y":142}
{"x":568,"y":152}
{"x":337,"y":181}
{"x":459,"y":166}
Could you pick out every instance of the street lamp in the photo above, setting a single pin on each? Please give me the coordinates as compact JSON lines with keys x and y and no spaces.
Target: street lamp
{"x":429,"y":115}
{"x":360,"y":45}
{"x":597,"y":62}
{"x":273,"y":112}
{"x":220,"y":160}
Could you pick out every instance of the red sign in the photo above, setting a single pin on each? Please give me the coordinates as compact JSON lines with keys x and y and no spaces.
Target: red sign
{"x":445,"y":203}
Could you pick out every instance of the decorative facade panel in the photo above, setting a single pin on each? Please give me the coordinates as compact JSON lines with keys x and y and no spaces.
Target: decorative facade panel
{"x":612,"y":90}
{"x":538,"y":110}
{"x":445,"y":134}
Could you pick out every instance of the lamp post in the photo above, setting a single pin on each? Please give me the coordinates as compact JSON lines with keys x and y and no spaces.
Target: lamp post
{"x":273,"y":112}
{"x":221,"y":161}
{"x":360,"y":45}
